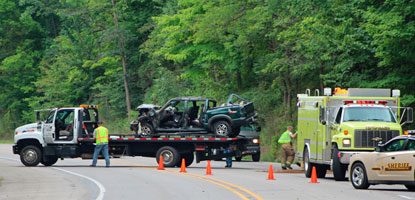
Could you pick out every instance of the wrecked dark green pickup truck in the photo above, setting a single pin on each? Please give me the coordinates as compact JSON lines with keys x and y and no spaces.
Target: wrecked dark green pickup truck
{"x":197,"y":115}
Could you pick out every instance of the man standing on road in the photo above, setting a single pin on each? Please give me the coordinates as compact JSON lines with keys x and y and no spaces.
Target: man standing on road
{"x":287,"y":151}
{"x":101,"y":138}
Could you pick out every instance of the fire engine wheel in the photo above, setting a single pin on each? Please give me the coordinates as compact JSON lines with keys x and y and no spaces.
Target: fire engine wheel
{"x":410,"y":187}
{"x":307,"y":165}
{"x":358,"y":176}
{"x":339,"y":169}
{"x":171,"y":156}
{"x":146,"y":129}
{"x":222,"y":128}
{"x":30,"y":155}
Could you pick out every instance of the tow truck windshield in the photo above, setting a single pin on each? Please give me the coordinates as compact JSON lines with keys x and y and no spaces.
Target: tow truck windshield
{"x":368,"y":114}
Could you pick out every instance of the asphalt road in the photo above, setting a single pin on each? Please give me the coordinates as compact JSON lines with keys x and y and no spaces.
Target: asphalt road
{"x":138,"y":178}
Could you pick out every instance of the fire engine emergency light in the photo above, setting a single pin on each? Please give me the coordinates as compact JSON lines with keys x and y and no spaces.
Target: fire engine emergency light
{"x":327,"y":91}
{"x":396,"y":93}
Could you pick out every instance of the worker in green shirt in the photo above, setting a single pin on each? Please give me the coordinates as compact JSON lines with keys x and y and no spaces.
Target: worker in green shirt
{"x":287,"y":151}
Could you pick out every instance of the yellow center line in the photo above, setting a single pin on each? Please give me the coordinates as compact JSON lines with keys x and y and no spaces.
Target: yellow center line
{"x":221,"y":183}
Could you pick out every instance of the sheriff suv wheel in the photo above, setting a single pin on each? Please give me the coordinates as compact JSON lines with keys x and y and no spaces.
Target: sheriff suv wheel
{"x":358,"y":176}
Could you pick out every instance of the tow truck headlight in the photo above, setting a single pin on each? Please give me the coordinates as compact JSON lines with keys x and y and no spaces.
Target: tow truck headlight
{"x":347,"y":142}
{"x":255,"y":141}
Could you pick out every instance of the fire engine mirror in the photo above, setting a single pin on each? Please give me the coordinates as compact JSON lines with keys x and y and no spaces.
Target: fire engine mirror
{"x":322,"y":117}
{"x":410,"y":117}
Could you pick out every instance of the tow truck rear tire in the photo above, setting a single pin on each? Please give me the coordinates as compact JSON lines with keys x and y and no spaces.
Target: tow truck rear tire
{"x":410,"y":187}
{"x":171,"y":156}
{"x":339,"y":169}
{"x":188,"y":159}
{"x":307,"y":165}
{"x":256,"y":157}
{"x":30,"y":155}
{"x":50,"y":161}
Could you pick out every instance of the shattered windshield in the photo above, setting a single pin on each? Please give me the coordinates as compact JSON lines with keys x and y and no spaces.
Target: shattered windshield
{"x":368,"y":114}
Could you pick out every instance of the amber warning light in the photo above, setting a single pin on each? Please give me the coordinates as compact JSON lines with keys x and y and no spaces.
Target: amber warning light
{"x":88,"y":106}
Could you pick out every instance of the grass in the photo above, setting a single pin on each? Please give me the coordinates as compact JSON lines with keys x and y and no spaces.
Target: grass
{"x":6,"y":141}
{"x":1,"y":180}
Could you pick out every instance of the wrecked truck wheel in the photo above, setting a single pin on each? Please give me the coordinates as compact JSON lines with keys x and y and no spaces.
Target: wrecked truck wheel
{"x":30,"y":155}
{"x":171,"y":156}
{"x":146,"y":129}
{"x":222,"y":128}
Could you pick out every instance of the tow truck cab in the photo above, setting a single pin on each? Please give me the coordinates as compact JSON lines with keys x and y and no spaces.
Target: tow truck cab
{"x":67,"y":133}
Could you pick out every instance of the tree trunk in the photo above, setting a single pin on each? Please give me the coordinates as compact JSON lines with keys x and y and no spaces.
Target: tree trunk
{"x":289,"y":94}
{"x":284,"y":89}
{"x":124,"y":67}
{"x":215,"y":71}
{"x":239,"y":79}
{"x":321,"y":79}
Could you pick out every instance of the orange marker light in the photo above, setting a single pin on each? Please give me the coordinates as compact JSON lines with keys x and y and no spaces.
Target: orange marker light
{"x":405,"y":132}
{"x":346,"y":132}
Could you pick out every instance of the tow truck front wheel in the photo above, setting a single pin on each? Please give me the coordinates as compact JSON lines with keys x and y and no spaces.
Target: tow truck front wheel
{"x":30,"y":155}
{"x":358,"y":176}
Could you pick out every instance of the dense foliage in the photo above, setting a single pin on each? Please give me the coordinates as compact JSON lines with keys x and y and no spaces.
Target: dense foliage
{"x":71,"y":52}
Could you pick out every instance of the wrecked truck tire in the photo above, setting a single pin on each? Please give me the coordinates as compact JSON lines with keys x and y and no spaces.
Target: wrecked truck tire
{"x":222,"y":128}
{"x":146,"y":129}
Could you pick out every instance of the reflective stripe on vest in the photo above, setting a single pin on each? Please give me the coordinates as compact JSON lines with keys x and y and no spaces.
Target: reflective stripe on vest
{"x":102,"y":135}
{"x":285,"y":138}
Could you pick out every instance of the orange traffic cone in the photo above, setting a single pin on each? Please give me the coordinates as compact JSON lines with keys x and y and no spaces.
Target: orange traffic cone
{"x":314,"y":176}
{"x":161,"y":165}
{"x":208,"y":169}
{"x":270,"y":173}
{"x":183,"y":167}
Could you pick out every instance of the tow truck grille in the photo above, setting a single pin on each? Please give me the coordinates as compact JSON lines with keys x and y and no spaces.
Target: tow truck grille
{"x":363,"y":138}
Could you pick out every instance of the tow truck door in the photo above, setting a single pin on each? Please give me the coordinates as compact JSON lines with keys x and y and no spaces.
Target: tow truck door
{"x":48,"y":128}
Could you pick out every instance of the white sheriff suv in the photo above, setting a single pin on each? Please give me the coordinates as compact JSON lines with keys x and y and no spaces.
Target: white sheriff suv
{"x":391,"y":163}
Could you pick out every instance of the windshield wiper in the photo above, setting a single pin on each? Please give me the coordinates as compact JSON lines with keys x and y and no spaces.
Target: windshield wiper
{"x":375,"y":120}
{"x":352,"y":120}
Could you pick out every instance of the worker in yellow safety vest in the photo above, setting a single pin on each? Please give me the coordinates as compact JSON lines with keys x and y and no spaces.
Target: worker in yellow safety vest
{"x":287,"y":151}
{"x":101,"y":141}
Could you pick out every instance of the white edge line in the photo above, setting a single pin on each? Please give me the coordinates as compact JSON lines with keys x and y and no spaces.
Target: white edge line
{"x":100,"y":186}
{"x":405,"y":197}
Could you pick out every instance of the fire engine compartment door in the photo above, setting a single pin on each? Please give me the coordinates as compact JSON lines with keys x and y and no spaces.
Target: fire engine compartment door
{"x":48,"y":128}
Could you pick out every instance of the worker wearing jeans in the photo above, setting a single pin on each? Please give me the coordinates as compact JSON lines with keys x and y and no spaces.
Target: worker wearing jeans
{"x":101,"y":140}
